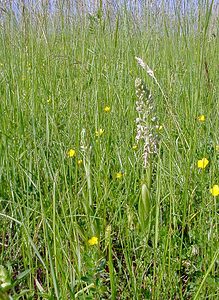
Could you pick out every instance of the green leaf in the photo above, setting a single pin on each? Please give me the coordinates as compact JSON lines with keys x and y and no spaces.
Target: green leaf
{"x":22,"y":274}
{"x":87,"y":279}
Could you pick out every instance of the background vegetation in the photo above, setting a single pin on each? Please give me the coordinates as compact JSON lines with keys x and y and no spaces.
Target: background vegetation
{"x":60,"y":66}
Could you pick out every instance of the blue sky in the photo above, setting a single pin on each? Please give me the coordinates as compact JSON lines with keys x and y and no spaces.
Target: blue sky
{"x":184,"y":6}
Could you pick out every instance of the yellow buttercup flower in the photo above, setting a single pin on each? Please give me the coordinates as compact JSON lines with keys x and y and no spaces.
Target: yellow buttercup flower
{"x":159,"y":127}
{"x":80,"y":161}
{"x":202,"y":163}
{"x":201,"y":118}
{"x":107,"y":109}
{"x":217,"y":147}
{"x":99,"y":132}
{"x":71,"y":153}
{"x":135,"y":147}
{"x":119,"y":175}
{"x":215,"y":190}
{"x":93,"y":241}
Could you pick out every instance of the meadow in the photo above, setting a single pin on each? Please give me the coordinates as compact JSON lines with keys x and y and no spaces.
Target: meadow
{"x":80,"y":215}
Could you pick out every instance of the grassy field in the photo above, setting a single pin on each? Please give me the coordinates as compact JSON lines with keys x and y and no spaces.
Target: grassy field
{"x":73,"y":221}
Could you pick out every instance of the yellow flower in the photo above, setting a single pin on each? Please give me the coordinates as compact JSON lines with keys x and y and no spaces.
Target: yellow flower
{"x":135,"y":147}
{"x":71,"y":153}
{"x":93,"y":241}
{"x":202,"y":163}
{"x":215,"y":190}
{"x":99,"y":132}
{"x":119,"y":175}
{"x":201,"y":118}
{"x":80,"y":161}
{"x":107,"y":109}
{"x":217,"y":147}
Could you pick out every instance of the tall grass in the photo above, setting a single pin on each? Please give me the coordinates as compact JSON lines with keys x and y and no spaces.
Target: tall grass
{"x":57,"y":73}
